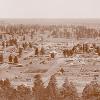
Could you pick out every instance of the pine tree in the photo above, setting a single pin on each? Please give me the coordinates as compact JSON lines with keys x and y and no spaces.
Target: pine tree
{"x":36,"y":51}
{"x":52,"y":89}
{"x":7,"y":89}
{"x":23,"y":93}
{"x":69,"y":91}
{"x":38,"y":89}
{"x":15,"y":59}
{"x":10,"y":58}
{"x":91,"y":91}
{"x":42,"y":51}
{"x":1,"y":58}
{"x":6,"y":83}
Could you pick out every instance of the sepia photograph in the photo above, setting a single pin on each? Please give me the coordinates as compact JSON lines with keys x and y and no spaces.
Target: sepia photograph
{"x":49,"y":49}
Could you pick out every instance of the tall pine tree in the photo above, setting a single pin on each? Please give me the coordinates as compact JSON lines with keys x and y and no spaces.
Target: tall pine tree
{"x":38,"y":89}
{"x":52,"y":89}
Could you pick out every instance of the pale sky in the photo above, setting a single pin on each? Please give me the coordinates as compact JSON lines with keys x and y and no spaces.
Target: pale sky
{"x":49,"y":8}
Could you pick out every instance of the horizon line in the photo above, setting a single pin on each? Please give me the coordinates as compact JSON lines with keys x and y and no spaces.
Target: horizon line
{"x":44,"y":18}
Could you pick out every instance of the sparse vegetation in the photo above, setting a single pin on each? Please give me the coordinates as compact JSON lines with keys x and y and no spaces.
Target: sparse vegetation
{"x":54,"y":52}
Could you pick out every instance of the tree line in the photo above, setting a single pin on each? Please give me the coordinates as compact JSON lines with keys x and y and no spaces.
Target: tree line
{"x":49,"y":92}
{"x":68,"y":31}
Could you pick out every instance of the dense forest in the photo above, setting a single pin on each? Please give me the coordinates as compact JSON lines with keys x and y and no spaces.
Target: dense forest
{"x":68,"y":31}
